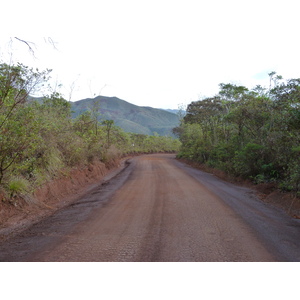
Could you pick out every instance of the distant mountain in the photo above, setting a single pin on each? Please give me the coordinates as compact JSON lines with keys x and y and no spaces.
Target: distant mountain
{"x":174,"y":111}
{"x":130,"y":117}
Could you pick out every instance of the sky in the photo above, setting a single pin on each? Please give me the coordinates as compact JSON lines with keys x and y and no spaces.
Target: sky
{"x":162,"y":54}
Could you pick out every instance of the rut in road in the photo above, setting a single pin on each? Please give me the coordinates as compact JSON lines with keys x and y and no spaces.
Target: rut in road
{"x":156,"y":210}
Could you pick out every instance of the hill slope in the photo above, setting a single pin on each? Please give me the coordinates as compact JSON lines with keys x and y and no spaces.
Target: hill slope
{"x":130,"y":117}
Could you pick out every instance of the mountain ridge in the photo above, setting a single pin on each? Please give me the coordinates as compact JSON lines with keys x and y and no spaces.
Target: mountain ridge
{"x":128,"y":116}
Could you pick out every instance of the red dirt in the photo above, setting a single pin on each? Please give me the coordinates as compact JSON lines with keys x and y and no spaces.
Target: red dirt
{"x":267,"y":192}
{"x":51,"y":196}
{"x":159,"y":209}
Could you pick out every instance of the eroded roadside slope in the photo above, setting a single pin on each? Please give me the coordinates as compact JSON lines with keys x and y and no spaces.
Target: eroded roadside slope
{"x":55,"y":194}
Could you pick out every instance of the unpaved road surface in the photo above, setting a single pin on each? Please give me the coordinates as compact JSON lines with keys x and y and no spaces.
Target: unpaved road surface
{"x":159,"y":209}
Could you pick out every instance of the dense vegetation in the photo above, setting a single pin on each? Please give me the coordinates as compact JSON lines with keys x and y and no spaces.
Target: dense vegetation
{"x":39,"y":139}
{"x":248,"y":133}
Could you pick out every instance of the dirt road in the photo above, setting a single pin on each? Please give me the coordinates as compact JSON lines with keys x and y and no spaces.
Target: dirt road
{"x":159,"y":209}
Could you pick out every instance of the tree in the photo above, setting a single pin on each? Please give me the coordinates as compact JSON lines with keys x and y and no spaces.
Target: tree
{"x":232,"y":92}
{"x":16,"y":83}
{"x":108,"y":124}
{"x":17,"y":124}
{"x":250,"y":133}
{"x":95,"y":113}
{"x":201,"y":111}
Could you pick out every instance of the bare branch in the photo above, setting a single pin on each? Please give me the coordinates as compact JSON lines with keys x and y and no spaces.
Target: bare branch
{"x":31,"y":45}
{"x":50,"y":41}
{"x":27,"y":43}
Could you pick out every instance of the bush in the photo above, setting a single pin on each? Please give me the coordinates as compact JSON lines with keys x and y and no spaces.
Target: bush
{"x":18,"y":186}
{"x":248,"y":161}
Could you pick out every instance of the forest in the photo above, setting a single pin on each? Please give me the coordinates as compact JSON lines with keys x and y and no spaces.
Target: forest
{"x":40,"y":141}
{"x":248,"y":133}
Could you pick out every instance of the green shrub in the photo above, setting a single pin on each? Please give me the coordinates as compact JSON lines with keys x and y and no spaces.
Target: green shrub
{"x":248,"y":161}
{"x":18,"y":186}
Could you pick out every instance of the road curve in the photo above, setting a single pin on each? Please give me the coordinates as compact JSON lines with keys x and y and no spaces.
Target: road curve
{"x":159,"y":209}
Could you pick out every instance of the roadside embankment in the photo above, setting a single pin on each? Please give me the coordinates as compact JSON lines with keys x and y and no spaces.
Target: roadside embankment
{"x":267,"y":192}
{"x":53,"y":195}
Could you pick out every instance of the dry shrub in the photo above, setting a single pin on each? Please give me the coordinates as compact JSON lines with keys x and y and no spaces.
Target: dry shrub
{"x":111,"y":154}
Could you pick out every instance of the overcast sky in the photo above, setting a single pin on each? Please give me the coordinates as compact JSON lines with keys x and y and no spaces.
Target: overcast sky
{"x":155,"y":53}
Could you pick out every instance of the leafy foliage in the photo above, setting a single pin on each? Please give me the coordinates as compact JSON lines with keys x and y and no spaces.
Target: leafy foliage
{"x":250,"y":133}
{"x":40,"y":139}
